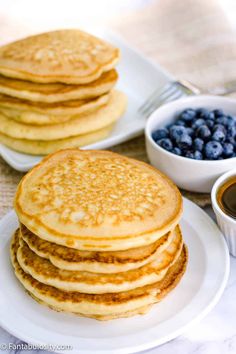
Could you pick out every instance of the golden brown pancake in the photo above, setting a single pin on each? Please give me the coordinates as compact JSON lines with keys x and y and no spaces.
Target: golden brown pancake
{"x":99,"y":262}
{"x":98,"y":283}
{"x":67,"y":56}
{"x":41,"y":147}
{"x":48,"y":113}
{"x":98,"y":201}
{"x":83,"y":124}
{"x":100,"y":306}
{"x":55,"y":92}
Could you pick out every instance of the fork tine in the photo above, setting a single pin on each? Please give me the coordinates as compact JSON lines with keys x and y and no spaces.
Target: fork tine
{"x":169,"y":92}
{"x":160,"y":90}
{"x":175,"y":96}
{"x":160,"y":96}
{"x":158,"y":103}
{"x":158,"y":100}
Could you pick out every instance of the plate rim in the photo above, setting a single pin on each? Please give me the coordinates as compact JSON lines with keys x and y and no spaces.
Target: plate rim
{"x":155,"y":342}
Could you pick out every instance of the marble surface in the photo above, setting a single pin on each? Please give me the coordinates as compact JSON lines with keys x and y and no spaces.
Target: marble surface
{"x":215,"y":334}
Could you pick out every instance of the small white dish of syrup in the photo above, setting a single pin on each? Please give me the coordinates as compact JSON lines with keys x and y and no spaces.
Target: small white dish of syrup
{"x":223,"y":196}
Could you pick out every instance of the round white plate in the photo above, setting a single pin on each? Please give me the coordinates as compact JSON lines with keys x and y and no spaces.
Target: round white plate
{"x":196,"y":294}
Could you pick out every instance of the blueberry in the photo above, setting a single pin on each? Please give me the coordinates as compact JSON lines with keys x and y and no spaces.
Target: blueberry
{"x":203,"y":132}
{"x":218,"y":113}
{"x":202,"y":113}
{"x":169,"y":126}
{"x":165,"y":143}
{"x":219,"y":127}
{"x":219,"y":135}
{"x":198,"y":144}
{"x":197,"y":155}
{"x":231,"y":132}
{"x":211,"y":115}
{"x":222,"y":120}
{"x":213,"y":150}
{"x":198,"y":123}
{"x":177,"y":151}
{"x":210,"y":123}
{"x":184,"y":142}
{"x":228,"y":150}
{"x":190,"y":131}
{"x":177,"y":131}
{"x":188,"y":115}
{"x":189,"y":154}
{"x":160,"y":134}
{"x":231,"y":121}
{"x":230,"y":140}
{"x":180,"y":122}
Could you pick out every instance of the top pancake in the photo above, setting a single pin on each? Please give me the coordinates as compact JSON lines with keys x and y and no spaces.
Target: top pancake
{"x":67,"y":56}
{"x":97,"y":200}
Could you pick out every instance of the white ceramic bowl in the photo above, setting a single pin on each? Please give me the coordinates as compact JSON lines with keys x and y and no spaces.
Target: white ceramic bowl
{"x":225,"y":222}
{"x":189,"y":174}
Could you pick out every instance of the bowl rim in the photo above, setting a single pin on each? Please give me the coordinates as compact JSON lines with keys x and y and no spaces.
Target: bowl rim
{"x":224,"y":177}
{"x":165,"y":106}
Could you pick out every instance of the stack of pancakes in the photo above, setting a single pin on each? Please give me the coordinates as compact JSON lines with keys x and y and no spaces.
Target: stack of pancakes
{"x":56,"y":91}
{"x":99,"y":234}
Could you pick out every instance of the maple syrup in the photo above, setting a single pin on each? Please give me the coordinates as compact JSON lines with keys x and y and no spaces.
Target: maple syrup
{"x":226,"y":197}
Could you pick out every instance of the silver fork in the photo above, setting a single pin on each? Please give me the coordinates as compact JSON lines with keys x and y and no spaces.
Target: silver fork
{"x":169,"y":92}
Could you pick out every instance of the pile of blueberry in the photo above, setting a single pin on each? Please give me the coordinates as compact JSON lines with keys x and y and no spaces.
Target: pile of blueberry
{"x":200,"y":134}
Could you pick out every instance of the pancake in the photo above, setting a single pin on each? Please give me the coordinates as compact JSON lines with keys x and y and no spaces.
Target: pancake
{"x":67,"y":56}
{"x":97,"y":283}
{"x":57,"y":92}
{"x":48,"y":113}
{"x":84,"y":124}
{"x":140,"y":311}
{"x":100,"y":306}
{"x":97,"y":262}
{"x":40,"y":147}
{"x":97,"y":201}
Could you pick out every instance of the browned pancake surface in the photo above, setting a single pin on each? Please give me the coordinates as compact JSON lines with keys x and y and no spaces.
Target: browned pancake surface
{"x":173,"y":273}
{"x":73,"y":255}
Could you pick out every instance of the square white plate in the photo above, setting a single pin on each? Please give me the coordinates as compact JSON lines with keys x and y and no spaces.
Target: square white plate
{"x":138,"y":78}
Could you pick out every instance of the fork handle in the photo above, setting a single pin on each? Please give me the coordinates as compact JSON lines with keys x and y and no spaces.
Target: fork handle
{"x":188,"y":87}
